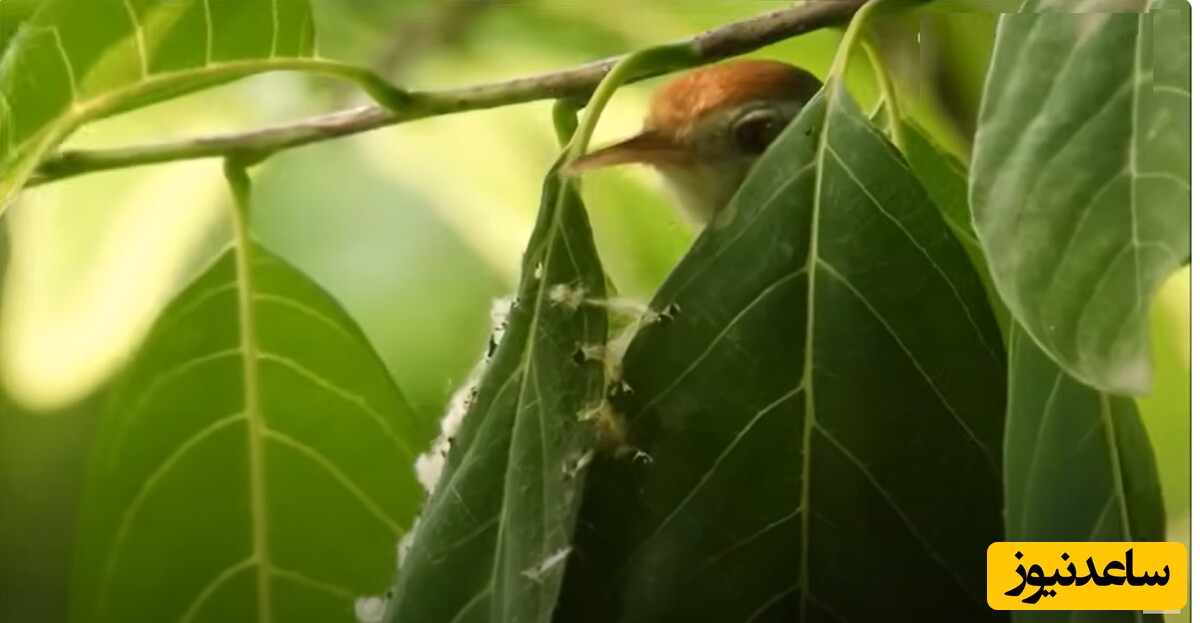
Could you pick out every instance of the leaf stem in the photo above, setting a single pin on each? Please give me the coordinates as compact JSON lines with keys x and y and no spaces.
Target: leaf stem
{"x":888,"y":90}
{"x":383,"y":92}
{"x":857,"y":23}
{"x":239,"y":185}
{"x":374,"y":85}
{"x":565,"y":119}
{"x":656,"y":60}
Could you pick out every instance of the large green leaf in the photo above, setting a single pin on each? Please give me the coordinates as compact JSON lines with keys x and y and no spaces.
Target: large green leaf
{"x":1080,"y":178}
{"x":80,"y":60}
{"x":494,"y":538}
{"x":255,"y":463}
{"x":1078,"y":466}
{"x":821,"y":402}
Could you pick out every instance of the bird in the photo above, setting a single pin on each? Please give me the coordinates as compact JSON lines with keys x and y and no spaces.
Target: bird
{"x":706,"y":128}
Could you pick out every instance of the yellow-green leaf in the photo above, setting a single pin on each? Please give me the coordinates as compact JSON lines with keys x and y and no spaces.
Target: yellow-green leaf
{"x":81,"y":60}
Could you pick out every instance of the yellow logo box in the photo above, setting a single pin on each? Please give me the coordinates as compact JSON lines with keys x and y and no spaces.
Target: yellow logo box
{"x":1087,"y":576}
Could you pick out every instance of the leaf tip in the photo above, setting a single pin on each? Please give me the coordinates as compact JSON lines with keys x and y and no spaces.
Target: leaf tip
{"x":1133,"y":377}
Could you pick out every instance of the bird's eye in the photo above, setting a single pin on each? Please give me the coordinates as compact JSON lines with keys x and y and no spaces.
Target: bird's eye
{"x":754,"y":132}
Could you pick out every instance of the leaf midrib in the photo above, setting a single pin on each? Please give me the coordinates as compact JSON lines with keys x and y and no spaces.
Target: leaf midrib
{"x":823,"y":150}
{"x":806,"y":383}
{"x":546,"y":253}
{"x":253,"y":409}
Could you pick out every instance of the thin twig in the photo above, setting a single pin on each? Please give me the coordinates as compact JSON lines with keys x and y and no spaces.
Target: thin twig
{"x":719,"y":43}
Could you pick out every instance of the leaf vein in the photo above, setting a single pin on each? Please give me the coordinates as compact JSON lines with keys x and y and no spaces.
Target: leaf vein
{"x":895,"y":506}
{"x":215,"y":584}
{"x":152,"y":388}
{"x":307,"y":310}
{"x":458,"y":618}
{"x":1163,"y":175}
{"x":913,"y":358}
{"x":1093,"y":296}
{"x":1135,"y":118}
{"x":720,"y":336}
{"x":139,"y":38}
{"x":766,"y":206}
{"x":482,"y":529}
{"x":729,"y":448}
{"x":542,"y":480}
{"x":350,"y":397}
{"x":1110,"y":435}
{"x":1049,"y":169}
{"x":547,"y":254}
{"x":1055,"y":274}
{"x":810,"y":322}
{"x":1024,"y":134}
{"x":66,"y":59}
{"x":143,"y":493}
{"x":1038,"y":444}
{"x":828,"y":609}
{"x":743,"y":542}
{"x":248,"y":333}
{"x":326,"y":465}
{"x":1101,"y":516}
{"x":771,"y":601}
{"x":199,"y":301}
{"x":918,"y":246}
{"x":311,"y":582}
{"x":1172,"y":90}
{"x":208,"y":33}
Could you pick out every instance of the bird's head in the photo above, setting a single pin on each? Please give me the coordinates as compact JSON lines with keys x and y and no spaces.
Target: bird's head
{"x":706,"y":129}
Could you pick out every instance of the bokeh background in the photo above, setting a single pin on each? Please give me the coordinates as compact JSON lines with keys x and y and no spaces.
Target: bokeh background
{"x":415,"y":229}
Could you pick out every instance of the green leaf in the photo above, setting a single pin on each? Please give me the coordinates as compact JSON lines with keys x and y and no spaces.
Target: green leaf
{"x":1078,"y":466}
{"x":255,"y":463}
{"x":824,"y":377}
{"x":945,"y":180}
{"x":1080,"y":179}
{"x":493,"y":541}
{"x":73,"y":62}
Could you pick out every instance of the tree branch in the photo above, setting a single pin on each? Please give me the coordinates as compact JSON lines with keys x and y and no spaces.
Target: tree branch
{"x":714,"y":45}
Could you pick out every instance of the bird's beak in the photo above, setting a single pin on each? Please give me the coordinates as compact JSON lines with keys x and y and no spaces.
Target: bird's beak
{"x":649,"y":147}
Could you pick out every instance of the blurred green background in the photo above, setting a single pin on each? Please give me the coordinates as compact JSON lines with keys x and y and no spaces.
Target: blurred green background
{"x":415,"y":229}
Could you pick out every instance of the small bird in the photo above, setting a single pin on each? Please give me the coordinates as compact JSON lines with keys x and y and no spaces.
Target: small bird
{"x":707,"y":127}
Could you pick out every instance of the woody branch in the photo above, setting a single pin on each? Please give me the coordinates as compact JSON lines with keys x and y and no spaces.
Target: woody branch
{"x":254,"y":145}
